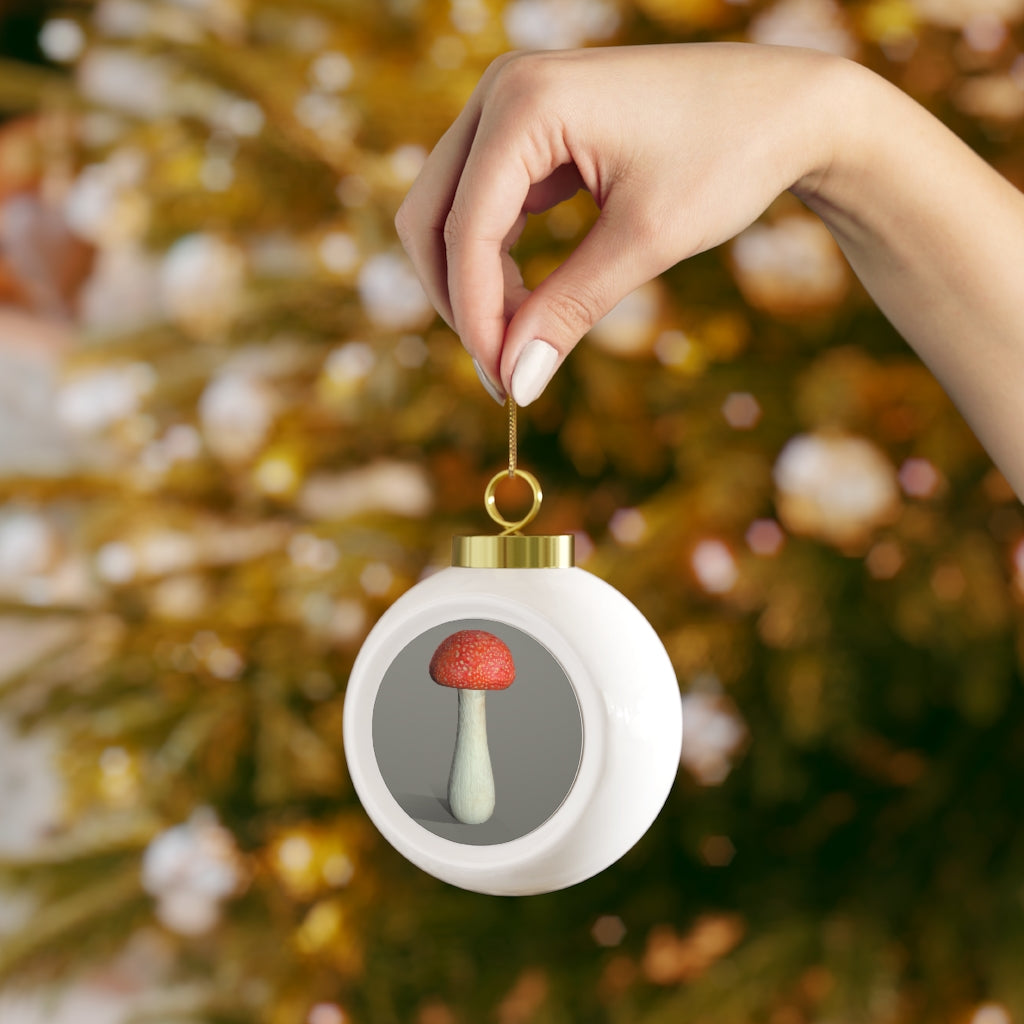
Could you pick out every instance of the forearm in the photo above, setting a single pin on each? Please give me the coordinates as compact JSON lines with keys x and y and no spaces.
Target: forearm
{"x":682,"y":147}
{"x":937,"y":238}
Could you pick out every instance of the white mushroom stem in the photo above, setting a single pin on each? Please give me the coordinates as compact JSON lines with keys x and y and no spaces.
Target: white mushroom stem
{"x":471,"y":782}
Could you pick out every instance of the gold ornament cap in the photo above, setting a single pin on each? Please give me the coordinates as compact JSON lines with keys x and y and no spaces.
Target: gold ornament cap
{"x":509,"y":549}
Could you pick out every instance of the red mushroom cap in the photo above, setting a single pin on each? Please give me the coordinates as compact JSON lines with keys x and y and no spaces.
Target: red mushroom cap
{"x":473,"y":659}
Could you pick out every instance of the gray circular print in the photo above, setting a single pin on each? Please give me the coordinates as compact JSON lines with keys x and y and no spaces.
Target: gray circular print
{"x":534,"y":736}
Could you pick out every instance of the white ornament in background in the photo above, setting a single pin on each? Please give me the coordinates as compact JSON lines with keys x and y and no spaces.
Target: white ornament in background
{"x":122,"y":79}
{"x":162,"y":552}
{"x":77,"y":1005}
{"x":392,"y":294}
{"x":36,"y":443}
{"x":159,"y":553}
{"x":628,"y":526}
{"x":236,"y":412}
{"x":991,"y":1013}
{"x":714,"y":735}
{"x":236,"y":115}
{"x":985,"y":32}
{"x":122,"y":19}
{"x":331,"y":71}
{"x":316,"y":554}
{"x":202,"y":279}
{"x":559,"y":24}
{"x":377,"y":579}
{"x":407,"y":161}
{"x":339,"y":252}
{"x":470,"y":17}
{"x":29,"y":545}
{"x":279,"y":356}
{"x":37,"y":568}
{"x":347,"y":621}
{"x":165,"y":551}
{"x":31,"y":792}
{"x":190,"y":870}
{"x":793,"y":264}
{"x":326,"y":1013}
{"x":96,"y":399}
{"x":714,"y":566}
{"x":332,"y":118}
{"x":181,"y":443}
{"x":105,"y":205}
{"x":835,"y":487}
{"x":350,"y":363}
{"x":628,"y":328}
{"x":226,"y":18}
{"x":389,"y":487}
{"x":181,"y":598}
{"x":133,"y":19}
{"x":122,"y":293}
{"x":62,"y":40}
{"x":116,"y":562}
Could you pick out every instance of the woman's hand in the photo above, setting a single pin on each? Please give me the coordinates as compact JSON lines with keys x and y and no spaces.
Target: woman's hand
{"x":680,"y":146}
{"x":684,"y":146}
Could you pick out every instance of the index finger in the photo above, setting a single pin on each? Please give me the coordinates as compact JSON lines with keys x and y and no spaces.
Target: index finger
{"x":421,"y":218}
{"x":503,"y":165}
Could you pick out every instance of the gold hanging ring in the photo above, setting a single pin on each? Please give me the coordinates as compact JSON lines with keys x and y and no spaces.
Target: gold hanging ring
{"x":491,"y":503}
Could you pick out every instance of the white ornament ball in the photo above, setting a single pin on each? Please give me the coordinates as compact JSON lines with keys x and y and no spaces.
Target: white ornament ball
{"x":585,"y":742}
{"x":201,"y":283}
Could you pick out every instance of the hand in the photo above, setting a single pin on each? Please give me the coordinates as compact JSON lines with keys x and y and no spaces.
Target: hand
{"x":681,"y":147}
{"x":684,"y":146}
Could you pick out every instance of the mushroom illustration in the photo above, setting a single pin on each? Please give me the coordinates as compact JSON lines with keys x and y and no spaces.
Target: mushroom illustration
{"x":472,"y":661}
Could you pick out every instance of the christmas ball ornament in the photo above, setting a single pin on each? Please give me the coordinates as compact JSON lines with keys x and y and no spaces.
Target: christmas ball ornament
{"x":556,"y":772}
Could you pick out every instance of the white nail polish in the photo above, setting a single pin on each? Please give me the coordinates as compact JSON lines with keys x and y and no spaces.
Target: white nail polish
{"x":534,"y":370}
{"x":489,"y":386}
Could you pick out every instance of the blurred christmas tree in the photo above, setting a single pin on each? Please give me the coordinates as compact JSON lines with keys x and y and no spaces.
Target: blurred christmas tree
{"x":266,"y":437}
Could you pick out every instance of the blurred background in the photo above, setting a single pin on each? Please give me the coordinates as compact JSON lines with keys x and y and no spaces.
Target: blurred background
{"x":232,"y":432}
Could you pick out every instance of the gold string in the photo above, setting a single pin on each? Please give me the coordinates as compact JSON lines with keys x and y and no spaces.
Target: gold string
{"x":513,"y":438}
{"x":512,"y":527}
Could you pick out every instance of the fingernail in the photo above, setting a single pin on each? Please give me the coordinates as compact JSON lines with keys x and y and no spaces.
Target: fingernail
{"x":489,"y":386}
{"x":534,"y":369}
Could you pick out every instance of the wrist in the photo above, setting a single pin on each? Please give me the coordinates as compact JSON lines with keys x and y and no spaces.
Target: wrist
{"x":839,"y":119}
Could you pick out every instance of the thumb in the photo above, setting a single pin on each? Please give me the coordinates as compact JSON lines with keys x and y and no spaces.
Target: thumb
{"x":607,"y":265}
